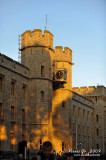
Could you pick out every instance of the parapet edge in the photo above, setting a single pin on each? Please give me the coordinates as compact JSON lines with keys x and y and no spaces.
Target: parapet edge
{"x":36,"y":30}
{"x":61,"y":49}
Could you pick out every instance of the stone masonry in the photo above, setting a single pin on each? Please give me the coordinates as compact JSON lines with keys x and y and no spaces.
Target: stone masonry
{"x":38,"y":103}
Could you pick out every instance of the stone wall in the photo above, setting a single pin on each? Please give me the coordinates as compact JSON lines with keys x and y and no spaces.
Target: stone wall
{"x":31,"y":109}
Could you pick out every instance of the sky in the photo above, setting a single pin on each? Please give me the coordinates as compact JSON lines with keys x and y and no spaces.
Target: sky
{"x":77,"y":24}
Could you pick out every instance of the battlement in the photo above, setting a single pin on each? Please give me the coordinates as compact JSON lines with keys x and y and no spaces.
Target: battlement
{"x":62,"y":55}
{"x":90,"y":90}
{"x":65,"y":51}
{"x":36,"y":38}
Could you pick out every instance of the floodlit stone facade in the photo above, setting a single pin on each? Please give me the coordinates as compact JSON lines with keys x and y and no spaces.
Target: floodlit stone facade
{"x":38,"y":103}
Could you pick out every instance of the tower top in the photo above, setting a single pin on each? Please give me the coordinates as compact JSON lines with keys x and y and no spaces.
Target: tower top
{"x":36,"y":38}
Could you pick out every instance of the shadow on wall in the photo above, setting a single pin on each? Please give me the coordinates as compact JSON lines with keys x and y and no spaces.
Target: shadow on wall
{"x":47,"y":114}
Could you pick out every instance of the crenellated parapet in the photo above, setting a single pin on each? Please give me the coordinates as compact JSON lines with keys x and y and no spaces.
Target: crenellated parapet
{"x":62,"y":55}
{"x":90,"y":90}
{"x":36,"y":38}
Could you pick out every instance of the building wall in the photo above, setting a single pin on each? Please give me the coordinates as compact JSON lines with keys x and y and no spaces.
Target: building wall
{"x":36,"y":105}
{"x":82,"y":122}
{"x":98,"y":97}
{"x":13,"y":99}
{"x":36,"y":50}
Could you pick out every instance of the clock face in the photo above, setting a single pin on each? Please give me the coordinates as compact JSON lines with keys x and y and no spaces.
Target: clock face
{"x":59,"y":74}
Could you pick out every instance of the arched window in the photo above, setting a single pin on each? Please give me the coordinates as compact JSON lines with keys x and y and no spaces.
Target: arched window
{"x":42,"y":95}
{"x":41,"y":144}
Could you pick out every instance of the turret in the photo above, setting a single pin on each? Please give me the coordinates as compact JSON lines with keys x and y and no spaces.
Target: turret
{"x":63,"y":55}
{"x":36,"y":38}
{"x":62,"y":60}
{"x":35,"y":51}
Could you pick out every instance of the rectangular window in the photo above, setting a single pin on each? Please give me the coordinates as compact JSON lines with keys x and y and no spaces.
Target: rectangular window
{"x":42,"y":71}
{"x":1,"y":110}
{"x":63,"y":104}
{"x":97,"y":132}
{"x":1,"y":124}
{"x":23,"y":128}
{"x":83,"y":114}
{"x":74,"y":111}
{"x":24,"y":91}
{"x":1,"y":83}
{"x":23,"y":115}
{"x":12,"y":113}
{"x":41,"y":144}
{"x":13,"y":84}
{"x":97,"y":145}
{"x":97,"y":118}
{"x":79,"y":112}
{"x":88,"y":116}
{"x":92,"y":131}
{"x":92,"y":117}
{"x":63,"y":146}
{"x":23,"y":137}
{"x":11,"y":141}
{"x":88,"y":146}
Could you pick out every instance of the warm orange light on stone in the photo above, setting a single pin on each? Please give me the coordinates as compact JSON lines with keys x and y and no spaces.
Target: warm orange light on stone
{"x":3,"y":133}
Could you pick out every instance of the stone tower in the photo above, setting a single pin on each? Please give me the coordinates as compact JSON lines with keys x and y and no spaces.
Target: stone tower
{"x":62,"y":60}
{"x":36,"y":51}
{"x":50,"y":82}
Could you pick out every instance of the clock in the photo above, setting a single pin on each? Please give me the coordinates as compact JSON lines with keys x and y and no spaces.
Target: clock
{"x":59,"y":74}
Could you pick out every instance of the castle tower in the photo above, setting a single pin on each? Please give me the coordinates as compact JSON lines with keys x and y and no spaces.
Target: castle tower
{"x":36,"y":51}
{"x":62,"y":62}
{"x":48,"y":107}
